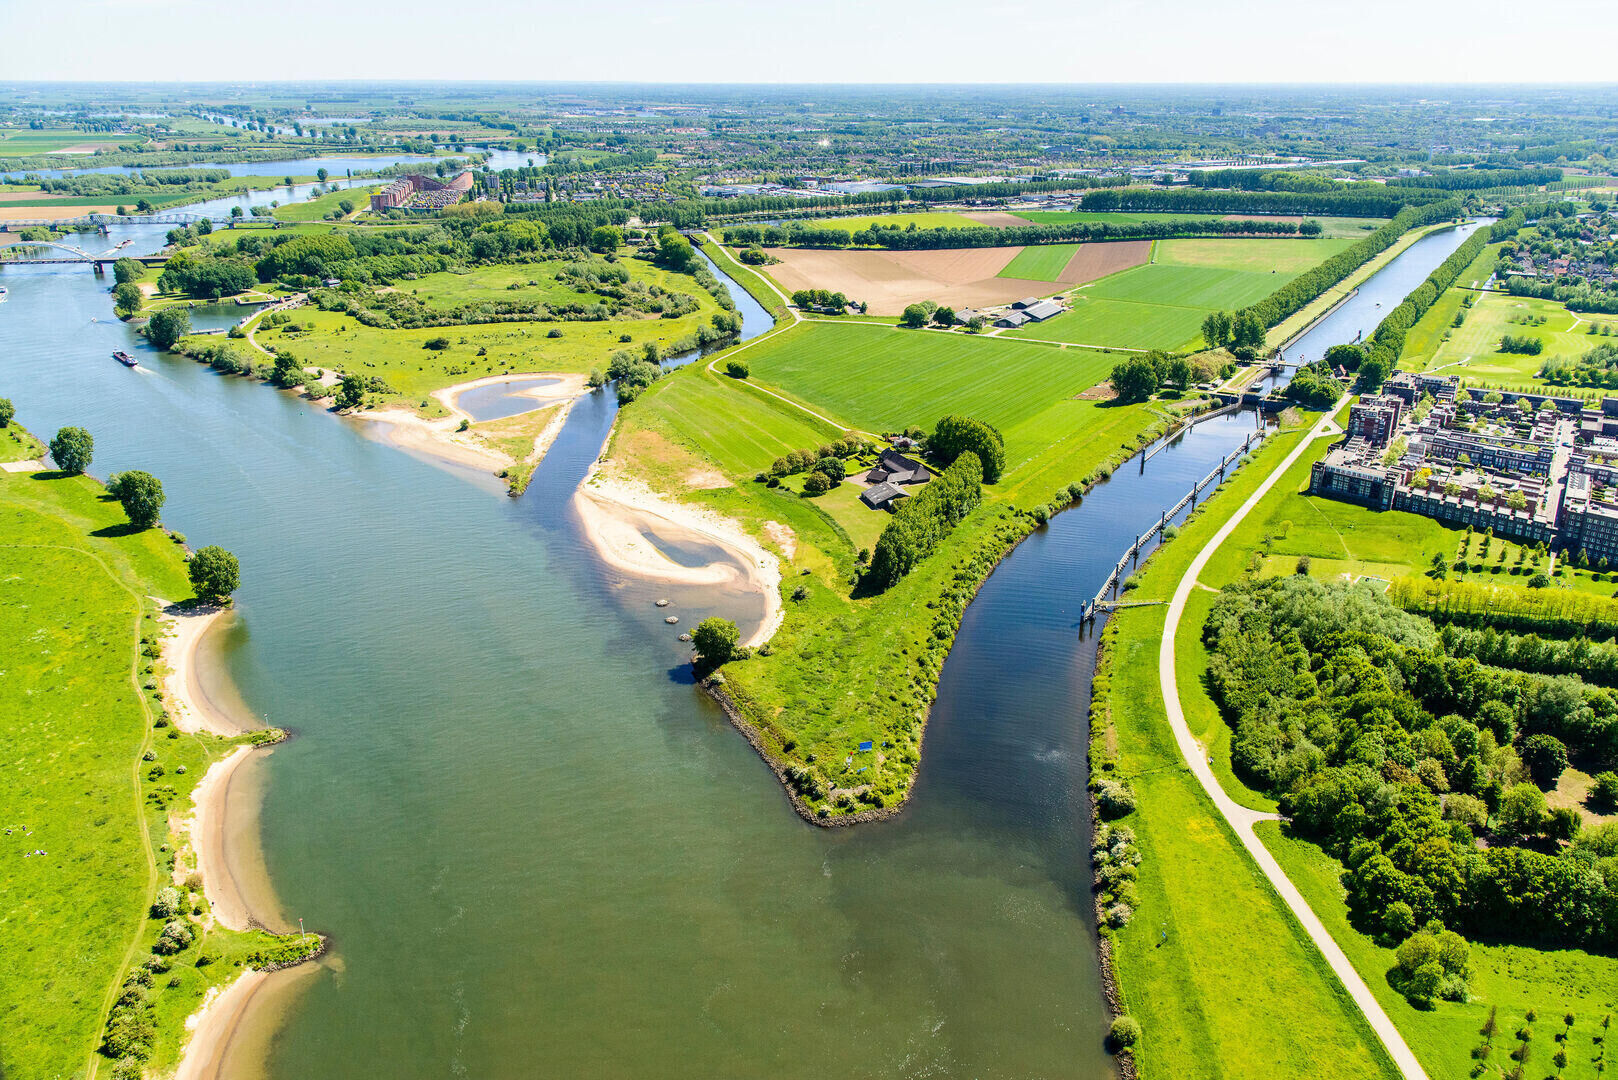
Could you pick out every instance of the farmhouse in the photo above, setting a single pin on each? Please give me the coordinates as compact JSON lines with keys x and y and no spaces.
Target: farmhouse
{"x":895,"y":468}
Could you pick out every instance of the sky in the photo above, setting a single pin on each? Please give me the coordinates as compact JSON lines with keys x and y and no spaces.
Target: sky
{"x":749,"y":41}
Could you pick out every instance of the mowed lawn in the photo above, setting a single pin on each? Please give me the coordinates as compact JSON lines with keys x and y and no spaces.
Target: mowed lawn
{"x":1474,"y":346}
{"x":1161,"y":305}
{"x":1044,"y":262}
{"x":72,"y":725}
{"x":882,"y":379}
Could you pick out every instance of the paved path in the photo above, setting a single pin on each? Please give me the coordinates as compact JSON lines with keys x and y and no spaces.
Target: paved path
{"x":1242,"y":819}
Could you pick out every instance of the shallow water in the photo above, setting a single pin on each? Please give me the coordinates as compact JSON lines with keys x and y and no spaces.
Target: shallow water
{"x":537,"y":847}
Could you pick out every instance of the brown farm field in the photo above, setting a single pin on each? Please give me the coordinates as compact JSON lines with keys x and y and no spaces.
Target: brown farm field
{"x":955,"y":277}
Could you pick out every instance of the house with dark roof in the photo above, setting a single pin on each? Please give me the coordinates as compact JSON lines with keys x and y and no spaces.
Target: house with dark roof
{"x":895,"y":468}
{"x":1026,"y":302}
{"x":1012,"y":319}
{"x":883,"y":496}
{"x":1043,"y":310}
{"x":966,"y":315}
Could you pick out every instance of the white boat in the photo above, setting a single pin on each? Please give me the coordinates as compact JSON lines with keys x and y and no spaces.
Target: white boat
{"x":4,"y":292}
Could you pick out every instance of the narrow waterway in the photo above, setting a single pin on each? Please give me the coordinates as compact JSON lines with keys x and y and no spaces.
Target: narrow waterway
{"x":537,"y":847}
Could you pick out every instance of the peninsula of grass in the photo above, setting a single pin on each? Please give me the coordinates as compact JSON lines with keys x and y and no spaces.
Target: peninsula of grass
{"x":846,"y":666}
{"x":97,"y":775}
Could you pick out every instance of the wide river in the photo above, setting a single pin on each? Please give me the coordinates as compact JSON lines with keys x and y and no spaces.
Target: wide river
{"x":538,"y":849}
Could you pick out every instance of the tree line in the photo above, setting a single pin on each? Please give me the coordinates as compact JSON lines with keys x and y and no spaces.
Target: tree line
{"x":912,"y":239}
{"x":926,"y":518}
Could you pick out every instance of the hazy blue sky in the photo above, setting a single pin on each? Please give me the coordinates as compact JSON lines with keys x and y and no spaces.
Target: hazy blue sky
{"x":1059,"y":41}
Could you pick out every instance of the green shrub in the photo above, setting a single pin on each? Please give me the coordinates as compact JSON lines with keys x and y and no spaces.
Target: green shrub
{"x":737,"y":369}
{"x":1124,"y":1033}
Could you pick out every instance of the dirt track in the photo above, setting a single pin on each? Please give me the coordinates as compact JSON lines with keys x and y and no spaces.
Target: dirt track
{"x":889,"y":280}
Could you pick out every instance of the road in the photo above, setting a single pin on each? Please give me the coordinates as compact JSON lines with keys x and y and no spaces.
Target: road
{"x":1240,"y":818}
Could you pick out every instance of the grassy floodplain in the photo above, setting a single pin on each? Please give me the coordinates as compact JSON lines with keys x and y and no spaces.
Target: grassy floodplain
{"x":335,"y":341}
{"x":79,"y":714}
{"x":1340,"y":540}
{"x":881,"y":653}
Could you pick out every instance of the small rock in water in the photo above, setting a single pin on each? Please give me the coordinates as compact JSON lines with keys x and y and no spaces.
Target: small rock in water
{"x":672,"y":619}
{"x":663,"y":603}
{"x":685,"y":637}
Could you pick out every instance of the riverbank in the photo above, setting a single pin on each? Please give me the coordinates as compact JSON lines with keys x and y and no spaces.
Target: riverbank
{"x":623,"y":519}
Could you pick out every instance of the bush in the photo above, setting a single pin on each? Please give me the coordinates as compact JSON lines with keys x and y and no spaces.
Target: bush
{"x":176,"y":936}
{"x":1604,"y":792}
{"x":167,"y":904}
{"x":437,"y":344}
{"x":1124,"y":1033}
{"x":816,"y":483}
{"x":7,"y":411}
{"x":956,"y":435}
{"x":1113,"y":798}
{"x":737,"y":369}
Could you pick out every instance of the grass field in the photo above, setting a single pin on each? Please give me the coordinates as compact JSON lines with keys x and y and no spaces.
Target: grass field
{"x":317,"y":208}
{"x":1332,"y":227}
{"x":1474,"y":346}
{"x":1161,"y":305}
{"x":1043,"y":263}
{"x":1339,"y":539}
{"x":1212,"y":956}
{"x":75,"y":721}
{"x":921,"y":220}
{"x":881,"y":379}
{"x":1510,"y":978}
{"x":1436,"y":326}
{"x":19,"y":143}
{"x":747,"y":278}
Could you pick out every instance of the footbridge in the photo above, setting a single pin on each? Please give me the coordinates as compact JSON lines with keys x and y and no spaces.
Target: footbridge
{"x":1105,"y":598}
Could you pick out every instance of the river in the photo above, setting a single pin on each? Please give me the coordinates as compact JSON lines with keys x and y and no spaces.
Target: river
{"x":338,"y":165}
{"x":537,"y":847}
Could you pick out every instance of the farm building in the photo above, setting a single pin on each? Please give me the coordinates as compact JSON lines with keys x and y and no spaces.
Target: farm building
{"x":882,"y":496}
{"x":1043,"y":310}
{"x":895,"y":468}
{"x":1012,"y":319}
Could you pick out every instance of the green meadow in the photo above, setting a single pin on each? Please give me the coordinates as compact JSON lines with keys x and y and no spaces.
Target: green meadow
{"x":880,"y":379}
{"x":1161,"y":304}
{"x":921,"y":220}
{"x":84,"y":814}
{"x":1211,"y":956}
{"x":1332,"y":227}
{"x":1472,"y":349}
{"x":1044,"y":262}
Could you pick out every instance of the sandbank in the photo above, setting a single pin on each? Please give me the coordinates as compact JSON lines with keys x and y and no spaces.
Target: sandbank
{"x":621,"y":518}
{"x":184,"y":695}
{"x":443,"y":440}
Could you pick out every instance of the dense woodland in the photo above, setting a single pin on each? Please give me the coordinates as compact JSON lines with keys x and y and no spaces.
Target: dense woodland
{"x":1420,"y":758}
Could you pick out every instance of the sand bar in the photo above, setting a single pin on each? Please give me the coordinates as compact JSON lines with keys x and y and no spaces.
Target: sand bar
{"x":621,"y":518}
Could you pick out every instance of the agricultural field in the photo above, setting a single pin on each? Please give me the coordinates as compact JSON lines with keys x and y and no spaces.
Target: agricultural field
{"x":22,"y":143}
{"x":1161,"y":305}
{"x":1043,"y":263}
{"x":847,"y":371}
{"x":921,"y":220}
{"x":1337,"y":228}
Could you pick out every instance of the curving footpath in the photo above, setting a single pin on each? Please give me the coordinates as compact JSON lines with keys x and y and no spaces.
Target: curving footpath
{"x":1240,"y":818}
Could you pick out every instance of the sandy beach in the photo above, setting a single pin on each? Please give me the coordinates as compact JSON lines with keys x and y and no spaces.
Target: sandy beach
{"x":443,"y":440}
{"x":212,"y":1026}
{"x":188,"y":703}
{"x":622,"y":517}
{"x":208,"y":839}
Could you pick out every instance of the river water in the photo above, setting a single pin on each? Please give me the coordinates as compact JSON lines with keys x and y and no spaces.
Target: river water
{"x":538,"y":849}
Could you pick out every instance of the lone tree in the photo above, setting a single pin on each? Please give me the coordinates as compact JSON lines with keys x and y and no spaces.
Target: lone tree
{"x":7,"y":411}
{"x":71,"y":449}
{"x":141,"y":494}
{"x":716,"y":640}
{"x":168,"y":327}
{"x":214,"y":573}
